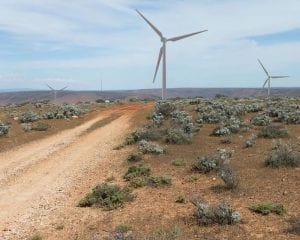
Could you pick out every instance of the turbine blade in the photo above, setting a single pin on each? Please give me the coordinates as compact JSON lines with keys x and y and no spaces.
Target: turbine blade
{"x":263,"y":67}
{"x":158,"y":63}
{"x":265,"y":83}
{"x":185,"y":36}
{"x":49,"y":87}
{"x":280,"y":76}
{"x":150,"y":24}
{"x":63,"y":88}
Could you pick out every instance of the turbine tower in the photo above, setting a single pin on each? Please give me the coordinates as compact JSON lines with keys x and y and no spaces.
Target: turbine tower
{"x":162,"y":52}
{"x":56,"y":90}
{"x":269,"y":77}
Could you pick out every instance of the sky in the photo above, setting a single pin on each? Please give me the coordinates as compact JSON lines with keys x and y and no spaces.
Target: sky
{"x":81,"y":42}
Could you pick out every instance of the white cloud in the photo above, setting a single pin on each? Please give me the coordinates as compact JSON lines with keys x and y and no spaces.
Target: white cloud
{"x":224,"y":51}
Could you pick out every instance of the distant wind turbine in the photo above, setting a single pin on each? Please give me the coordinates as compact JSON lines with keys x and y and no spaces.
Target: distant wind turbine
{"x":56,"y":90}
{"x":269,"y":77}
{"x":162,"y":52}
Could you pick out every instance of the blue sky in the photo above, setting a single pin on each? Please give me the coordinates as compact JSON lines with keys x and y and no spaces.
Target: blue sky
{"x":80,"y":42}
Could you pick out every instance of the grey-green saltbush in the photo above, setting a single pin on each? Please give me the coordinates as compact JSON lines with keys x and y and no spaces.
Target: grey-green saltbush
{"x":4,"y":128}
{"x":149,"y":147}
{"x":27,"y":117}
{"x":221,"y":214}
{"x":283,"y":155}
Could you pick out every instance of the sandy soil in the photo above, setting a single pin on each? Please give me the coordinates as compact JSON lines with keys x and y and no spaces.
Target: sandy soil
{"x":38,"y":178}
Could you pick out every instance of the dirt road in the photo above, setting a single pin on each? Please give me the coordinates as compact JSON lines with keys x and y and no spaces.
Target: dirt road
{"x":38,"y":178}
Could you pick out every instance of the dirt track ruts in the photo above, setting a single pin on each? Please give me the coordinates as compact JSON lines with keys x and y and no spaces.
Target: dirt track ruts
{"x":37,"y":178}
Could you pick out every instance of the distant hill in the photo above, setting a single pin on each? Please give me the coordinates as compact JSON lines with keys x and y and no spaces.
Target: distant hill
{"x":76,"y":96}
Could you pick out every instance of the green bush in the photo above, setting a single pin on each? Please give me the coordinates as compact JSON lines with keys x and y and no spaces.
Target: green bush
{"x":178,"y":136}
{"x":137,"y":171}
{"x":137,"y":176}
{"x":179,"y":162}
{"x":135,"y":157}
{"x":159,"y":181}
{"x":40,"y":126}
{"x":122,"y":228}
{"x":107,"y":196}
{"x":283,"y":155}
{"x":273,"y":132}
{"x":172,"y":233}
{"x":268,"y":207}
{"x":180,"y":199}
{"x":100,"y":100}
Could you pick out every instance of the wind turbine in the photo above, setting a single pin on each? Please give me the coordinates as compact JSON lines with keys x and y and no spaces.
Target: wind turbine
{"x":162,"y":52}
{"x":56,"y":90}
{"x":269,"y":77}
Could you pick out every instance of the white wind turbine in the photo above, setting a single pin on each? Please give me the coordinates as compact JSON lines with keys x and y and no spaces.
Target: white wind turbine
{"x":268,"y":80}
{"x":56,"y":90}
{"x":162,"y":52}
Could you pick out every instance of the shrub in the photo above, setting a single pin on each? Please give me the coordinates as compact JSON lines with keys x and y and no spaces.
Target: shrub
{"x":172,"y":233}
{"x":137,"y":171}
{"x":4,"y":128}
{"x":261,"y":120}
{"x":296,"y":226}
{"x":165,"y":108}
{"x":26,"y":126}
{"x":70,"y":110}
{"x":50,"y":115}
{"x":250,"y":142}
{"x":178,"y":136}
{"x":183,"y":121}
{"x":193,"y":178}
{"x":283,"y":155}
{"x":293,"y":118}
{"x":107,"y":196}
{"x":159,"y":181}
{"x":157,"y":119}
{"x":147,"y":134}
{"x":40,"y":126}
{"x":135,"y":157}
{"x":122,"y":228}
{"x":110,"y":179}
{"x":148,"y":147}
{"x":27,"y":117}
{"x":233,"y":124}
{"x":229,"y":177}
{"x":221,"y":214}
{"x":267,"y":208}
{"x":221,"y":131}
{"x":138,"y":182}
{"x":212,"y":162}
{"x":137,"y":176}
{"x":226,"y":140}
{"x":254,"y":107}
{"x":179,"y":162}
{"x":36,"y":237}
{"x":180,"y":199}
{"x":273,"y":132}
{"x":100,"y":100}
